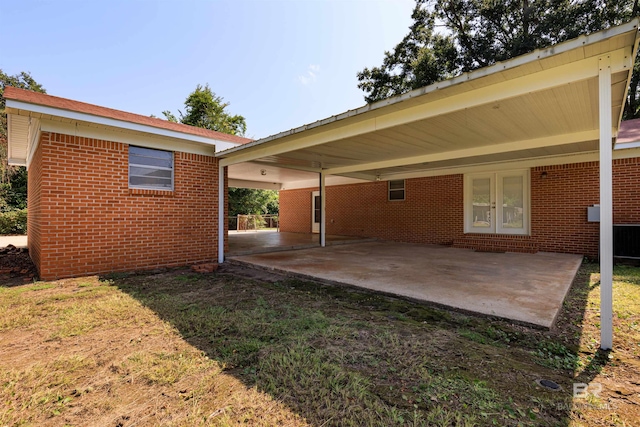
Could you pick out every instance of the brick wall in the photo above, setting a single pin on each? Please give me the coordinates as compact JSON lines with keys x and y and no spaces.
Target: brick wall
{"x":34,"y":211}
{"x":90,"y":222}
{"x":433,"y":211}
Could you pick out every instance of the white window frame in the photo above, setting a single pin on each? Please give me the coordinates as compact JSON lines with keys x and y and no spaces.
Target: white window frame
{"x":403,"y":189}
{"x":496,"y":200}
{"x":150,"y":187}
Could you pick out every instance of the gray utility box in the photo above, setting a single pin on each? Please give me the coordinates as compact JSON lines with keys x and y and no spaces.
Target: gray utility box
{"x":593,"y":213}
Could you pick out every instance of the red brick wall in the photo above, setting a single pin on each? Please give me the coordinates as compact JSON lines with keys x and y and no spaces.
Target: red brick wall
{"x":433,"y":210}
{"x":34,"y":206}
{"x":295,"y":210}
{"x":91,"y":222}
{"x":559,"y":208}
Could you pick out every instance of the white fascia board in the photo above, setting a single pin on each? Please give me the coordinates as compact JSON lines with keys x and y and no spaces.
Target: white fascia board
{"x":131,"y":138}
{"x":34,"y":139}
{"x":83,"y":117}
{"x":243,"y":183}
{"x":536,"y":55}
{"x":471,"y":152}
{"x":626,"y":145}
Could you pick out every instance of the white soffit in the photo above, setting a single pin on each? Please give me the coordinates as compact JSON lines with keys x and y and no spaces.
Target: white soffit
{"x":23,"y":135}
{"x":546,"y":99}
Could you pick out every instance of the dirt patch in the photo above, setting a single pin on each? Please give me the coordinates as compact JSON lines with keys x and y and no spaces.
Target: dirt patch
{"x":16,"y":267}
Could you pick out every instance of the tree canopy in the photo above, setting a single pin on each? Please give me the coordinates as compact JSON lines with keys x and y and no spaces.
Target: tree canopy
{"x":13,"y":180}
{"x":204,"y":109}
{"x":243,"y":201}
{"x":450,"y":37}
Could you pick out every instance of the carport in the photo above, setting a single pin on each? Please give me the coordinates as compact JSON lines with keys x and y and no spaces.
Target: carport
{"x":543,"y":108}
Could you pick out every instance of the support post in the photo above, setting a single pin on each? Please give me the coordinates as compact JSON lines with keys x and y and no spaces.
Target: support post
{"x":221,"y":218}
{"x":323,"y":222}
{"x":606,"y":206}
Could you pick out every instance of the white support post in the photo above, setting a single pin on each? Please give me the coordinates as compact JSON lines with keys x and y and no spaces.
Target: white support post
{"x":221,"y":218}
{"x":323,"y":222}
{"x":606,"y":206}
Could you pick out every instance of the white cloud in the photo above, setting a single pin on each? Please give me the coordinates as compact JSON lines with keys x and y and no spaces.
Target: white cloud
{"x":310,"y":75}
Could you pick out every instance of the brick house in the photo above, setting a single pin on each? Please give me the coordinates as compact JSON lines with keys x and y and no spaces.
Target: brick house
{"x":508,"y":157}
{"x":113,"y":191}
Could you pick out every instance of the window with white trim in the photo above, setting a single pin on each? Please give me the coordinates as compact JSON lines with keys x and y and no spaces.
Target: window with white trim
{"x":150,"y":169}
{"x":497,"y":203}
{"x":396,"y":189}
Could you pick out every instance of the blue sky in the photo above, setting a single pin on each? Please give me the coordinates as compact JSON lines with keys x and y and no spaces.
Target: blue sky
{"x":280,"y":64}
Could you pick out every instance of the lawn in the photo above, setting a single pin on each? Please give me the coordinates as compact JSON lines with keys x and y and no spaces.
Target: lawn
{"x":180,"y":349}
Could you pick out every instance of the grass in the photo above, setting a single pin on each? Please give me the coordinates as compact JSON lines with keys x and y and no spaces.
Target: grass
{"x":182,"y":349}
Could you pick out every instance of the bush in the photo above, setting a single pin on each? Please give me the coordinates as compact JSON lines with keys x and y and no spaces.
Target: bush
{"x":13,"y":222}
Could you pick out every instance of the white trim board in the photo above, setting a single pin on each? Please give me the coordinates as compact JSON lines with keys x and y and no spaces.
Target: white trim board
{"x":131,"y":138}
{"x":121,"y":124}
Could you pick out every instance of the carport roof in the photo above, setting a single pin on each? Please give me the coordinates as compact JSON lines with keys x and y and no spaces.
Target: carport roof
{"x":541,"y":104}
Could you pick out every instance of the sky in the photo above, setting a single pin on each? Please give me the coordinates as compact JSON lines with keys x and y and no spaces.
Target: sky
{"x":279,"y":63}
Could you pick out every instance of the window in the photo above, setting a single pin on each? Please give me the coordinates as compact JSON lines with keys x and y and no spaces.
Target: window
{"x":150,"y":169}
{"x":497,"y":203}
{"x":396,"y":189}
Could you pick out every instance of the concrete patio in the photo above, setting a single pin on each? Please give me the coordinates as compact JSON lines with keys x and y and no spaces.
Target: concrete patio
{"x":527,"y":288}
{"x":261,"y":241}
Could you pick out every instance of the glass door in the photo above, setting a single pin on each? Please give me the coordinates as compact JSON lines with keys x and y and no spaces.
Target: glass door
{"x":497,"y":202}
{"x":315,"y":212}
{"x":511,"y":218}
{"x":481,"y":216}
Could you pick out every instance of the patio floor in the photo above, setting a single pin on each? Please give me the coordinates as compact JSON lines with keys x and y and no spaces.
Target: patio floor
{"x":253,"y":242}
{"x":527,"y":288}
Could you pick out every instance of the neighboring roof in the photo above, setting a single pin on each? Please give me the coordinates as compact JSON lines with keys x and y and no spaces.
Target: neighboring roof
{"x":95,"y":110}
{"x":629,"y":132}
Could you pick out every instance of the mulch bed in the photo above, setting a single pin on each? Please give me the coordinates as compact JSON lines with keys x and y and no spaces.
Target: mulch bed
{"x":16,"y":267}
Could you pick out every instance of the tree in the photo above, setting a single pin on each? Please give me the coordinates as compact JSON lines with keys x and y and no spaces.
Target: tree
{"x":13,"y":179}
{"x":244,"y":201}
{"x":450,"y":37}
{"x":204,"y":109}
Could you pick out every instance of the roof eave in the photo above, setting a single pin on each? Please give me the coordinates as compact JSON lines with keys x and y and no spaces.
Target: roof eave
{"x":466,"y":77}
{"x":16,"y":107}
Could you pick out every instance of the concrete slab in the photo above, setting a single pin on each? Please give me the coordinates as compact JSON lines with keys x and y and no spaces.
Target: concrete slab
{"x":17,"y":241}
{"x":527,"y":288}
{"x":253,"y":242}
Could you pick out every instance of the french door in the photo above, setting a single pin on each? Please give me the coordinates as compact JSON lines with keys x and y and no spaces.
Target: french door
{"x":497,"y":202}
{"x":315,"y":212}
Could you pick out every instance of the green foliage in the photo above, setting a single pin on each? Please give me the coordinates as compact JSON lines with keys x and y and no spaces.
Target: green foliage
{"x":449,"y":37}
{"x":13,"y":222}
{"x":204,"y":109}
{"x":13,"y":193}
{"x":243,"y":201}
